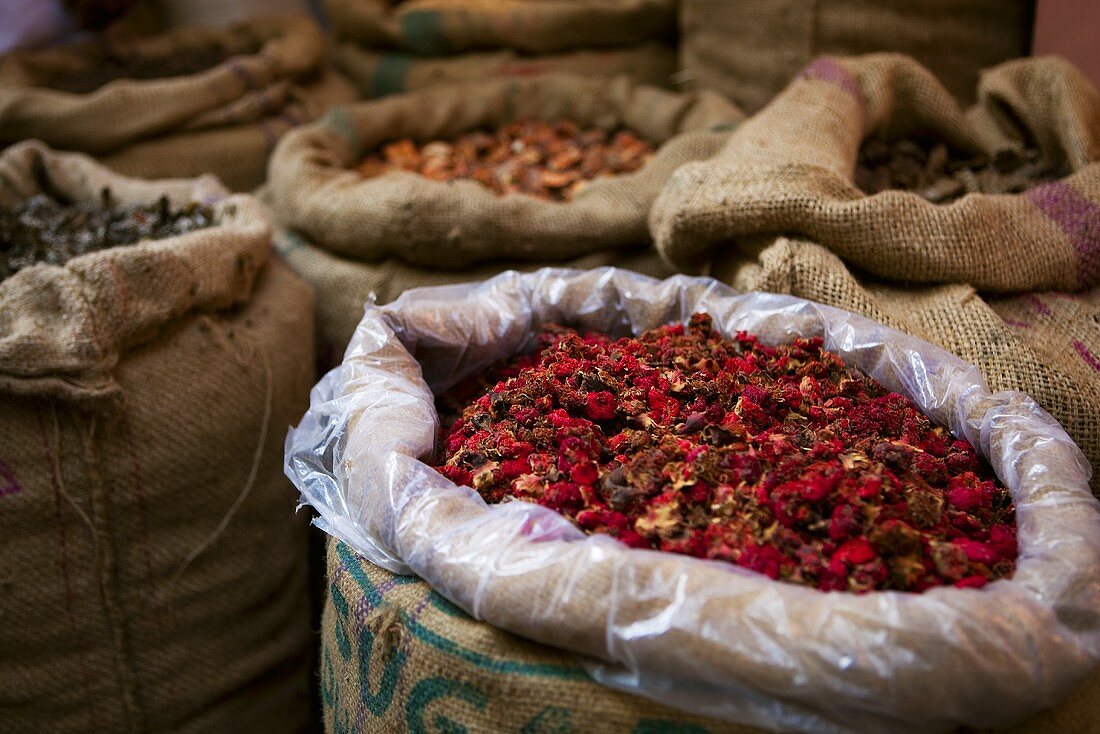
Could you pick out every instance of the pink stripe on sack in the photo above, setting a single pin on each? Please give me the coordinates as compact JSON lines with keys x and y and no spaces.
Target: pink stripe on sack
{"x":1086,"y":355}
{"x":242,"y":74}
{"x":828,"y":69}
{"x":1037,"y":305}
{"x":8,"y":483}
{"x":1079,"y":218}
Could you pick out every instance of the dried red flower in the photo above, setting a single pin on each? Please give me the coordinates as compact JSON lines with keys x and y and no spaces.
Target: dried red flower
{"x":779,"y":459}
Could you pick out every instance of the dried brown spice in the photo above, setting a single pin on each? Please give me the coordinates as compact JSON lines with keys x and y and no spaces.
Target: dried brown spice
{"x":548,"y":160}
{"x":779,"y":459}
{"x":48,"y":229}
{"x":935,"y":172}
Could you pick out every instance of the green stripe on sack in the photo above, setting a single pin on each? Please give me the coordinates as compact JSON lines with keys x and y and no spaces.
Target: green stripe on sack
{"x":512,"y":667}
{"x":423,"y":32}
{"x":390,"y":74}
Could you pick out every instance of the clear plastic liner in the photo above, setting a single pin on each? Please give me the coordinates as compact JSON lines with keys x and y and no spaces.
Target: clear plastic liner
{"x":706,"y":636}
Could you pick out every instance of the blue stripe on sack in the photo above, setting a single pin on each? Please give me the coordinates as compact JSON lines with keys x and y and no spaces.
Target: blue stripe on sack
{"x":422,"y":31}
{"x":390,"y":74}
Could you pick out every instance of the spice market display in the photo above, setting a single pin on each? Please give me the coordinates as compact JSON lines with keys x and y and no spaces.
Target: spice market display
{"x":643,"y":366}
{"x":549,"y":160}
{"x":779,"y":459}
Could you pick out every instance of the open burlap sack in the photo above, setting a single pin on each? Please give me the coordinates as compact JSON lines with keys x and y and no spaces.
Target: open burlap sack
{"x":453,"y":225}
{"x":344,"y":286}
{"x":750,"y":50}
{"x":152,"y":571}
{"x":395,"y":653}
{"x":439,"y":27}
{"x":378,"y":73}
{"x":237,"y":154}
{"x":1046,"y":345}
{"x":789,"y":170}
{"x":223,"y":121}
{"x":703,"y":636}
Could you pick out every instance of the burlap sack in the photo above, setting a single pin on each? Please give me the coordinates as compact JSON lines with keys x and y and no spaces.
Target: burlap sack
{"x":438,"y":27}
{"x":378,"y":73}
{"x":223,"y":121}
{"x":789,"y":170}
{"x":749,"y":50}
{"x":152,"y":573}
{"x":344,"y":286}
{"x":1044,"y":344}
{"x":395,"y":654}
{"x":453,"y":225}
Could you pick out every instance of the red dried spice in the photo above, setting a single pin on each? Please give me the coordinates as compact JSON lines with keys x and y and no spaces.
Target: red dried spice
{"x":779,"y":459}
{"x":548,"y":160}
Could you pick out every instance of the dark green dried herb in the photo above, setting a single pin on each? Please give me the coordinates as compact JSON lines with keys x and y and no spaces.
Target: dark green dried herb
{"x":941,"y":175}
{"x":47,"y":229}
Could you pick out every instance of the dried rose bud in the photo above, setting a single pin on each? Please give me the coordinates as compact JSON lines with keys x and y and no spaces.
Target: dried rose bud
{"x":781,"y":459}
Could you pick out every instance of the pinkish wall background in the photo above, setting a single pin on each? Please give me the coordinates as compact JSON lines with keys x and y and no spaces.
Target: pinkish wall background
{"x":1070,"y":28}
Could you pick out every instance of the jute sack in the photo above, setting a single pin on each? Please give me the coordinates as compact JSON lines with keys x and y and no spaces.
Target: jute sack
{"x":439,"y":27}
{"x":1044,"y":344}
{"x":396,"y":655}
{"x":750,"y":50}
{"x":273,"y":82}
{"x":343,"y":286}
{"x":378,"y":74}
{"x":789,"y":170}
{"x":454,"y":225}
{"x":152,"y":571}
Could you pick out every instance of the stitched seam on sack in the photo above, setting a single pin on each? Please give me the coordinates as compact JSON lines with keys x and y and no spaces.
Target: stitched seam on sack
{"x":108,"y":579}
